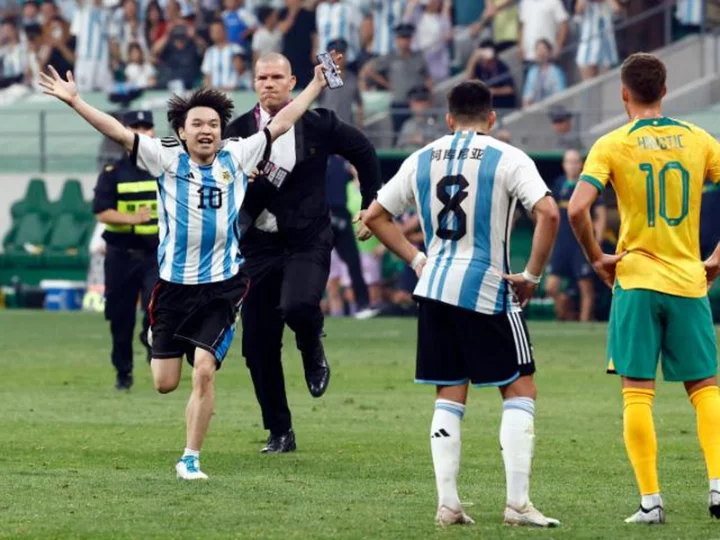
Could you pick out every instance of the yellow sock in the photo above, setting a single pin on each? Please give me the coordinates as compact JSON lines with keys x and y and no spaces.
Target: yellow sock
{"x":639,"y":435}
{"x":707,"y":406}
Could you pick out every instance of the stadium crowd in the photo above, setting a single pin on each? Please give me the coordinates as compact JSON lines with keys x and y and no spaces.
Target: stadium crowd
{"x":404,"y":47}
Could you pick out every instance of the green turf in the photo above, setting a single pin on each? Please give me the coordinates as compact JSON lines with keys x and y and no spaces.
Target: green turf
{"x":79,"y":460}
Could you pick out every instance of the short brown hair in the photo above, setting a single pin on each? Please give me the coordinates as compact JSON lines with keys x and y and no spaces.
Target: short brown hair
{"x":644,"y":76}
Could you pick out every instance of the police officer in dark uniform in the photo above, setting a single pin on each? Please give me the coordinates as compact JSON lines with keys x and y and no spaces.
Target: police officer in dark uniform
{"x":126,"y":202}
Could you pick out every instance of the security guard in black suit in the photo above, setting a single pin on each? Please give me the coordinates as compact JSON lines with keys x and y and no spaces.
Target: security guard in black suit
{"x":126,"y":202}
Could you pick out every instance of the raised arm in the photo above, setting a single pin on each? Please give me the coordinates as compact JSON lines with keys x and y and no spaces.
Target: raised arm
{"x":290,"y":114}
{"x":66,"y":91}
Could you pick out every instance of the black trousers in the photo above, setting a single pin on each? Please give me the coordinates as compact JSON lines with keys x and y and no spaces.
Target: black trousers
{"x":127,"y":275}
{"x":347,"y":249}
{"x":286,"y":286}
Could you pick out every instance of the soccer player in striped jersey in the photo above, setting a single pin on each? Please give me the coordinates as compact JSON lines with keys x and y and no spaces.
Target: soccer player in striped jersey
{"x":471,"y":329}
{"x":202,"y":181}
{"x":217,"y":63}
{"x":660,"y":309}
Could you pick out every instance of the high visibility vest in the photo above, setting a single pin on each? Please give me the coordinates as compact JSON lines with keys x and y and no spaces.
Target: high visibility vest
{"x":130,"y":197}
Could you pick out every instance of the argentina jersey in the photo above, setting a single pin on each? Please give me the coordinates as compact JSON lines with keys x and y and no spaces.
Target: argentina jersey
{"x":198,"y":205}
{"x":339,"y":20}
{"x":90,"y":25}
{"x":387,"y":14}
{"x":218,"y":65}
{"x":465,"y":187}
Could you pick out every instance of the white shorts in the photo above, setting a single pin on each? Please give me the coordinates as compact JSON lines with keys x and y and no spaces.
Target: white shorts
{"x":371,"y":269}
{"x":600,"y":51}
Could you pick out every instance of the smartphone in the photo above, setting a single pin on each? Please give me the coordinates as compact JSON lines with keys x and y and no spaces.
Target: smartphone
{"x":331,"y":75}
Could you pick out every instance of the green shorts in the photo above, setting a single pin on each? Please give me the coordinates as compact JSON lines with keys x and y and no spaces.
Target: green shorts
{"x":644,"y":324}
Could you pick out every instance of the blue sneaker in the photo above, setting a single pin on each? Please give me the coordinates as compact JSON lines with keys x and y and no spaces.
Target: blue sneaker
{"x":188,"y":468}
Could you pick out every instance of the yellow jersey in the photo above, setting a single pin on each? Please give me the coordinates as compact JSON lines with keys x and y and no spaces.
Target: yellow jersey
{"x":657,"y":167}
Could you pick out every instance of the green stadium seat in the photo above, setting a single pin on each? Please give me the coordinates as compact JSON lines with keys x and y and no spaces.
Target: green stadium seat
{"x":71,"y":200}
{"x":67,"y":245}
{"x":30,"y":230}
{"x":35,"y":200}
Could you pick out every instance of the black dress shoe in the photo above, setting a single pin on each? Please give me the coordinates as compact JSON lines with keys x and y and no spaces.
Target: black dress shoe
{"x":317,"y":370}
{"x":123,"y":382}
{"x":280,"y":443}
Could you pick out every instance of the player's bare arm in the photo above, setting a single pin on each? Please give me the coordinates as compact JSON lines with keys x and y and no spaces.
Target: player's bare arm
{"x":712,"y":265}
{"x":547,"y":222}
{"x":381,"y":223}
{"x":579,"y":213}
{"x":66,"y":91}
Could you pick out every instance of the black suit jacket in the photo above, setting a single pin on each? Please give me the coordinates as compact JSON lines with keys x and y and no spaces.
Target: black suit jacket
{"x":300,"y":204}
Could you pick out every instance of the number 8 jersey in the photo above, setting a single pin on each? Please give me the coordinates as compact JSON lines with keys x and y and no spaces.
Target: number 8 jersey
{"x":657,"y":167}
{"x":465,"y":187}
{"x":198,"y":205}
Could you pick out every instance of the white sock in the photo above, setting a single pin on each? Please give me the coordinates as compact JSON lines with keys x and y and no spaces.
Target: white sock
{"x":651,"y":501}
{"x":445,"y":446}
{"x":715,"y":484}
{"x":517,"y":441}
{"x":190,"y":452}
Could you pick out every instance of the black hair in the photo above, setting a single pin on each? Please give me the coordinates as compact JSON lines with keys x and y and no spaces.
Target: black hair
{"x":178,"y":107}
{"x":264,"y":13}
{"x":469,"y":101}
{"x":546,"y":43}
{"x":9,"y":20}
{"x":644,"y":76}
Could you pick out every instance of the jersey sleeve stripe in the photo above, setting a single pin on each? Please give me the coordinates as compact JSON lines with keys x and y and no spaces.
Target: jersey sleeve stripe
{"x":134,"y":151}
{"x":423,"y":188}
{"x":594,"y":181}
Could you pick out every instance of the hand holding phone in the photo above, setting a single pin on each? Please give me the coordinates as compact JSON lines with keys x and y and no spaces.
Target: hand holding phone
{"x":331,"y":72}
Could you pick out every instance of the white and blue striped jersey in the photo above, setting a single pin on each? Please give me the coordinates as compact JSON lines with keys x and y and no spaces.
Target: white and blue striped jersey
{"x":339,"y":20}
{"x":387,"y":14}
{"x":198,"y":205}
{"x":218,"y":65}
{"x":465,"y":187}
{"x":597,"y":36}
{"x":14,"y":60}
{"x":689,"y":12}
{"x":91,"y":26}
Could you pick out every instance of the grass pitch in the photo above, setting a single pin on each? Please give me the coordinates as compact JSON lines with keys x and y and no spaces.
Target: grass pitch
{"x":80,"y":460}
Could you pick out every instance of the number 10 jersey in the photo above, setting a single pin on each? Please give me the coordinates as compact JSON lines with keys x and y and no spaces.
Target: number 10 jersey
{"x":198,"y":205}
{"x":465,"y":187}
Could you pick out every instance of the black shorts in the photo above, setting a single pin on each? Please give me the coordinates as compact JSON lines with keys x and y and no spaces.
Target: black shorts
{"x":456,"y":346}
{"x":183,"y":317}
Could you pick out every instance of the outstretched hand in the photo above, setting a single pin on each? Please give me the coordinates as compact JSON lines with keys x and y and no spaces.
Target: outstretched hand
{"x":54,"y":85}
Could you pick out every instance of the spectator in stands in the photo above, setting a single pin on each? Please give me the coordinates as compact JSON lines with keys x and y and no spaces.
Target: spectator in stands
{"x":423,"y":127}
{"x":267,"y":37}
{"x":399,"y":72}
{"x":48,"y":11}
{"x":173,"y":14}
{"x":341,"y":100}
{"x":597,"y":51}
{"x":486,"y":66}
{"x":544,"y":78}
{"x":13,"y":53}
{"x":300,"y":40}
{"x":155,"y":25}
{"x":180,"y":53}
{"x":92,"y":55}
{"x":688,"y":14}
{"x":433,"y":34}
{"x":243,"y":76}
{"x":504,"y":17}
{"x":61,"y":47}
{"x":37,"y":52}
{"x":568,"y":261}
{"x":30,"y":13}
{"x":386,"y":15}
{"x":240,"y":23}
{"x":566,"y":137}
{"x":217,"y":66}
{"x":125,"y":28}
{"x":541,"y":19}
{"x":139,"y":72}
{"x":334,"y":20}
{"x":465,"y":16}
